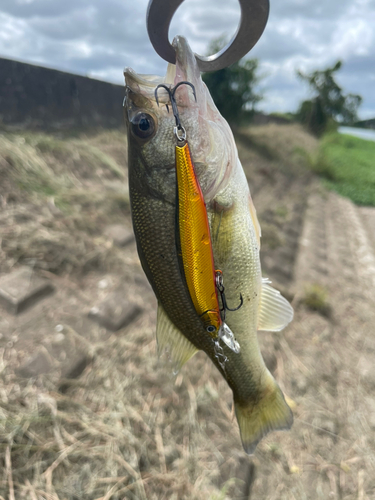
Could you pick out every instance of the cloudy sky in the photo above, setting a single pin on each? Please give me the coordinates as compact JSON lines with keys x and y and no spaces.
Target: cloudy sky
{"x":100,"y":37}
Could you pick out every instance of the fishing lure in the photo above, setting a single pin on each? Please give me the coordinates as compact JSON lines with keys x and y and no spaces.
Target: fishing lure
{"x":204,"y":283}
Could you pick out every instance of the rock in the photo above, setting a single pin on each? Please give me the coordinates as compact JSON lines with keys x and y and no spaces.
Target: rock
{"x":115,"y":312}
{"x":37,"y":364}
{"x":366,"y":371}
{"x":119,"y":234}
{"x":22,"y":288}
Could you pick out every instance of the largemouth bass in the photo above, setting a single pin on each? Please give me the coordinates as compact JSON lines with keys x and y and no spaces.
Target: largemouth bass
{"x":234,"y":233}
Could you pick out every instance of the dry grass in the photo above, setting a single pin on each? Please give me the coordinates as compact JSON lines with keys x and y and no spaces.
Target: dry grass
{"x":286,"y":148}
{"x":59,"y":194}
{"x":128,"y":430}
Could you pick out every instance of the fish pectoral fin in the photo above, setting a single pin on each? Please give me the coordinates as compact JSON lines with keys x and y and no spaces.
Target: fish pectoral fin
{"x":171,"y":340}
{"x":275,"y":312}
{"x":270,"y":413}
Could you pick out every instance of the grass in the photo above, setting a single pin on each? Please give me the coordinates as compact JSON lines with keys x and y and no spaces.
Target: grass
{"x":347,"y":165}
{"x":315,"y":298}
{"x":119,"y":434}
{"x":59,"y":194}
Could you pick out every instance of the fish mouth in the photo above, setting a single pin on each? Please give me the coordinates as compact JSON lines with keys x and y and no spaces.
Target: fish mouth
{"x":185,"y":69}
{"x":186,"y":64}
{"x":141,"y":84}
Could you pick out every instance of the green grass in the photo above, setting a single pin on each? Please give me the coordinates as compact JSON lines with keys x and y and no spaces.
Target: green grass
{"x":347,"y":165}
{"x":315,"y":298}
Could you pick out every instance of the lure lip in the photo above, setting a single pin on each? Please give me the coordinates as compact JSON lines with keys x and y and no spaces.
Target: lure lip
{"x":227,"y":336}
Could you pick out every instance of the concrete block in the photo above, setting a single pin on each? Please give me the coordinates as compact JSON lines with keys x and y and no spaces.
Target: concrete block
{"x":72,"y":370}
{"x":38,"y":363}
{"x":21,"y":289}
{"x":115,"y":312}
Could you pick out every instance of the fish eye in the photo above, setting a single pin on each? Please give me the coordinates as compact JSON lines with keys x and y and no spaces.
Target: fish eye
{"x":143,"y":125}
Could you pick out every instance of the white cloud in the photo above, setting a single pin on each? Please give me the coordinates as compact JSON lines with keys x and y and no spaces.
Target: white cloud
{"x":101,"y":37}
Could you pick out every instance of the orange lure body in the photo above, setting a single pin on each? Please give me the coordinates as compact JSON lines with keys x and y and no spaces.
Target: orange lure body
{"x":195,"y":243}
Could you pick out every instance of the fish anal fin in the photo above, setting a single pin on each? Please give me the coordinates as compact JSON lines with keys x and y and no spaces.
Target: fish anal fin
{"x":275,"y":312}
{"x":171,"y":340}
{"x":271,"y":413}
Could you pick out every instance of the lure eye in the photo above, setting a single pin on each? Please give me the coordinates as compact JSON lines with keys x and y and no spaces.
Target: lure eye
{"x":143,"y":125}
{"x":211,"y":329}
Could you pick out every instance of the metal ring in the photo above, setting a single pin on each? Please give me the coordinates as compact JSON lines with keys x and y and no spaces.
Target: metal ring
{"x":254,"y":16}
{"x":176,"y":130}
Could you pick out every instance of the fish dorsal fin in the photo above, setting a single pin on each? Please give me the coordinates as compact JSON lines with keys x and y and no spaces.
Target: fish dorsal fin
{"x":275,"y":312}
{"x":172,"y":341}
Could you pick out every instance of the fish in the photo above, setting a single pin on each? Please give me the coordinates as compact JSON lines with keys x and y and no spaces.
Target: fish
{"x":259,"y":404}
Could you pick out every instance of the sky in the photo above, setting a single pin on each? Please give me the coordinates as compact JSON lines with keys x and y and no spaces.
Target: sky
{"x":98,"y":38}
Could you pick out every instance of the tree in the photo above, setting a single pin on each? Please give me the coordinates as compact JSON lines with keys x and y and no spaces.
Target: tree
{"x":328,"y":103}
{"x":232,"y":88}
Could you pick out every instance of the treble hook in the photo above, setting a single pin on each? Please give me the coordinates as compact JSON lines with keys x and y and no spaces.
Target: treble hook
{"x":220,"y":287}
{"x":171,"y":94}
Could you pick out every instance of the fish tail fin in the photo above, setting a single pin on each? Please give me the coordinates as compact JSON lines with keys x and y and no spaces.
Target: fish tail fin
{"x":270,"y":413}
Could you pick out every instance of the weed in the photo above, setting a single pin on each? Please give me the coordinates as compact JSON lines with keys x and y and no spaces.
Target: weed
{"x":315,"y":298}
{"x":281,"y":211}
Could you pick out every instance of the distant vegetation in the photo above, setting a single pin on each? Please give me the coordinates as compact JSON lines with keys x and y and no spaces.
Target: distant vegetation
{"x":329,"y":105}
{"x":347,"y":165}
{"x":370,"y":124}
{"x":315,"y":298}
{"x":233,"y":88}
{"x":235,"y":92}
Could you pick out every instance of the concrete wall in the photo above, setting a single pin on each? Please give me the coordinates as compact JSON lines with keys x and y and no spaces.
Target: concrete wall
{"x":33,"y":96}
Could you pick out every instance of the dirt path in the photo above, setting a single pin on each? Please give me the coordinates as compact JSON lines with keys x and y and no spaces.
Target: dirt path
{"x":326,"y":365}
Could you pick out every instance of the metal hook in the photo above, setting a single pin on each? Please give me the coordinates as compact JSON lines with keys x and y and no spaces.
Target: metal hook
{"x":171,"y":93}
{"x":221,"y":289}
{"x":254,"y":16}
{"x":165,"y":88}
{"x":185,"y":83}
